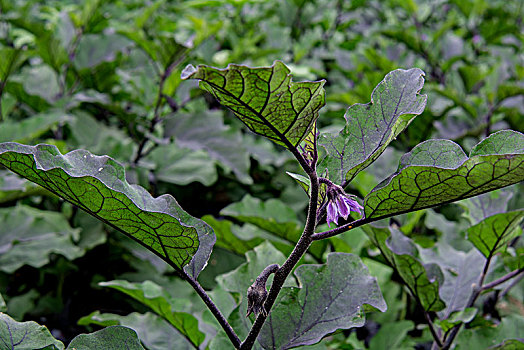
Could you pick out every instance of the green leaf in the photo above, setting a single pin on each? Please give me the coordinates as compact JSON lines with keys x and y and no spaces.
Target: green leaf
{"x":369,"y":129}
{"x":153,"y":331}
{"x":28,"y":236}
{"x":10,"y":60}
{"x":98,"y":185}
{"x":511,"y":344}
{"x":437,"y":172}
{"x":31,"y":128}
{"x":109,"y":338}
{"x":258,"y":259}
{"x":397,"y":250}
{"x":391,"y":335}
{"x":94,"y":49}
{"x":155,"y":297}
{"x":491,"y":234}
{"x":3,"y":306}
{"x":481,"y":207}
{"x":182,"y":166}
{"x":330,"y":297}
{"x":205,"y":130}
{"x":271,"y":215}
{"x":461,"y":273}
{"x":26,"y":335}
{"x":483,"y":337}
{"x":457,"y":318}
{"x":265,"y":99}
{"x":227,"y":239}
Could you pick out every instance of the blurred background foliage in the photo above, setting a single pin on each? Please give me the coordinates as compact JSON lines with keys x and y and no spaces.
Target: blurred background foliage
{"x":105,"y":76}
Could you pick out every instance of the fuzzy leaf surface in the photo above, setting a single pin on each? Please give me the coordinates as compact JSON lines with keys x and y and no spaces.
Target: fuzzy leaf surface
{"x":25,"y":335}
{"x":438,"y":171}
{"x":330,"y":298}
{"x":114,"y":338}
{"x":264,"y":99}
{"x":370,"y":127}
{"x":97,"y":184}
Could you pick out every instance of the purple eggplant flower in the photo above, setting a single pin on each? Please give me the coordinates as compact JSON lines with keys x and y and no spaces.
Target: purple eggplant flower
{"x":340,"y":206}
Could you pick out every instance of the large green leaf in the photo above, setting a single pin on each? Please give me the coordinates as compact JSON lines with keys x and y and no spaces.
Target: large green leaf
{"x":28,"y":129}
{"x":438,"y":171}
{"x":153,"y":331}
{"x":492,"y":234}
{"x":330,"y":297}
{"x":25,"y":335}
{"x":371,"y":127}
{"x":98,"y":185}
{"x":28,"y":236}
{"x":155,"y":297}
{"x":398,"y":251}
{"x":205,"y":130}
{"x":461,"y":273}
{"x":265,"y":99}
{"x":109,"y":338}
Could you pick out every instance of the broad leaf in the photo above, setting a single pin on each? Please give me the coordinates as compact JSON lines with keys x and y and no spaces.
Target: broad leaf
{"x":391,"y":335}
{"x":154,"y":296}
{"x":98,"y":185}
{"x":398,"y":254}
{"x":461,"y":272}
{"x":28,"y":236}
{"x":28,"y":129}
{"x":10,"y":59}
{"x":330,"y":297}
{"x":371,"y":127}
{"x":205,"y":130}
{"x":265,"y":99}
{"x":510,"y":327}
{"x":153,"y":331}
{"x":25,"y":335}
{"x":492,"y":234}
{"x":227,"y":239}
{"x":114,"y":338}
{"x":483,"y":206}
{"x":437,"y":172}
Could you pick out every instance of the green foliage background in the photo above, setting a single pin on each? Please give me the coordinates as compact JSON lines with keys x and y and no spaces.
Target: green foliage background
{"x":105,"y":76}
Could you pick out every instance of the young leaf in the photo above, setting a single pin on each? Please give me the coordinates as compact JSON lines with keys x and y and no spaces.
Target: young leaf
{"x":371,"y":127}
{"x":98,"y":185}
{"x":491,"y":234}
{"x":397,"y":253}
{"x":437,"y":172}
{"x":265,"y":99}
{"x":153,"y":296}
{"x":330,"y":297}
{"x":25,"y":335}
{"x":114,"y":337}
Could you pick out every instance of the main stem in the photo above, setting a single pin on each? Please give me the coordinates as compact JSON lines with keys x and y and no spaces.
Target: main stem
{"x":283,"y":272}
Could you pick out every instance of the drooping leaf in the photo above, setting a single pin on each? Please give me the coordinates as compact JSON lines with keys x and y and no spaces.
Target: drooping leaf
{"x":437,"y":172}
{"x":205,"y":130}
{"x":423,"y":286}
{"x":98,"y":185}
{"x":371,"y":127}
{"x":154,"y":296}
{"x":493,"y":233}
{"x":330,"y":297}
{"x":152,"y":330}
{"x":28,"y":236}
{"x":265,"y":99}
{"x":26,"y":335}
{"x":113,"y":337}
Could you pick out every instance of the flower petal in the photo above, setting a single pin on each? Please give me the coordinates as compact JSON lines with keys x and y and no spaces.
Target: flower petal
{"x":343,"y":207}
{"x":332,"y":213}
{"x":353,"y":205}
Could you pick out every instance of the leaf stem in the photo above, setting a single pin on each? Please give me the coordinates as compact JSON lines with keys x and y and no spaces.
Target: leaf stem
{"x":214,"y":309}
{"x":283,"y":272}
{"x":432,"y":329}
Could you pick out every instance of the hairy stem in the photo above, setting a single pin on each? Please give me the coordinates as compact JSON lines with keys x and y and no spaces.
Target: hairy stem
{"x":214,"y":310}
{"x":283,"y":272}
